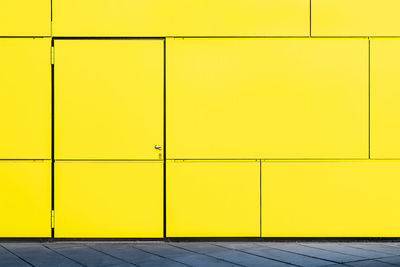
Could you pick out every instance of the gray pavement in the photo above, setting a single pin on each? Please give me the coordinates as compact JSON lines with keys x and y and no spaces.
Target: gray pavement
{"x":150,"y":254}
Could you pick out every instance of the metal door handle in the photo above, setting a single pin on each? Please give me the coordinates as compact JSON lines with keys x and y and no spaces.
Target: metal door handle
{"x":158,"y":147}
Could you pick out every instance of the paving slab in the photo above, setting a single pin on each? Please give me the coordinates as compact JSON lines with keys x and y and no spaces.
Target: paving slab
{"x":39,"y":256}
{"x":135,"y":256}
{"x":376,"y":247}
{"x":287,"y":257}
{"x":61,"y":244}
{"x":7,"y":259}
{"x":178,"y":254}
{"x":120,"y":265}
{"x":347,"y":249}
{"x":233,"y":256}
{"x":393,"y":244}
{"x":89,"y":257}
{"x":315,"y":252}
{"x":199,"y":247}
{"x":369,"y":263}
{"x":182,"y":255}
{"x":240,"y":245}
{"x":392,"y":260}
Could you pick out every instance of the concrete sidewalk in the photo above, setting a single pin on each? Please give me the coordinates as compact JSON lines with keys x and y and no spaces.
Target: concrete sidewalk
{"x":200,"y":254}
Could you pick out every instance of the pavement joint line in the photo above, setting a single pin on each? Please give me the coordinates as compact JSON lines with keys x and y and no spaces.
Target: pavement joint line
{"x":377,"y":251}
{"x":160,"y":256}
{"x":211,"y":256}
{"x":64,"y":256}
{"x":115,"y":257}
{"x":16,"y":255}
{"x":314,"y":257}
{"x":259,"y":255}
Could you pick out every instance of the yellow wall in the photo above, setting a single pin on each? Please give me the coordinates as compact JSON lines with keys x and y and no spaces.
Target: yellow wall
{"x":213,"y":118}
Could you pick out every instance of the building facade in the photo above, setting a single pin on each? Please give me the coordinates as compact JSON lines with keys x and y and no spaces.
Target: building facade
{"x":211,"y":118}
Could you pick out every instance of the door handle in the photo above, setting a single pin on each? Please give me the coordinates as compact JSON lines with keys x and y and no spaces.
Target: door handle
{"x":158,"y":147}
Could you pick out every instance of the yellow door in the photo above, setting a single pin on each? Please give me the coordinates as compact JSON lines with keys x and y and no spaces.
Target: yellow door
{"x":213,"y":199}
{"x":25,"y":98}
{"x":385,"y":98}
{"x":180,"y":18}
{"x":108,"y":199}
{"x":108,"y":99}
{"x":330,"y":199}
{"x":25,"y":199}
{"x":355,"y":17}
{"x":267,"y":98}
{"x":25,"y":18}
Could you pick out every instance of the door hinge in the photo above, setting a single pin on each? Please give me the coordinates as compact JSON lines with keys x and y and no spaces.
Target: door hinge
{"x":52,"y":55}
{"x":52,"y":219}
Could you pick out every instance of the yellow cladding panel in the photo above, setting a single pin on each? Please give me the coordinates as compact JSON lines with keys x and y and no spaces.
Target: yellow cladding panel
{"x":330,"y":199}
{"x":25,"y":199}
{"x":385,"y":98}
{"x":108,"y":199}
{"x":213,"y":199}
{"x":25,"y":17}
{"x":355,"y":17}
{"x":180,"y":18}
{"x":108,"y":99}
{"x":267,"y":98}
{"x":25,"y":98}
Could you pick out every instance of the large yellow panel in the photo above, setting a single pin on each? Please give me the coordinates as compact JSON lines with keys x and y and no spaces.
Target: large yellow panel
{"x":108,"y":199}
{"x":355,"y":17}
{"x":108,"y":99}
{"x":385,"y":98}
{"x":330,"y":199}
{"x":180,"y":18}
{"x":25,"y":199}
{"x":25,"y":17}
{"x":25,"y":98}
{"x":213,"y":199}
{"x":267,"y":98}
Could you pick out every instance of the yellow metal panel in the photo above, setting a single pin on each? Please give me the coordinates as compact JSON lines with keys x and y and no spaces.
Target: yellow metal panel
{"x":108,"y":199}
{"x":355,"y":17}
{"x":385,"y":98}
{"x":213,"y":199}
{"x":25,"y":199}
{"x":108,"y":99}
{"x":180,"y":18}
{"x":25,"y":98}
{"x":330,"y":199}
{"x":267,"y":98}
{"x":25,"y":17}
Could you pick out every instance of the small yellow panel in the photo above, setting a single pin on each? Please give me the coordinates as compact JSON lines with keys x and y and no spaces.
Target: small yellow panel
{"x":331,"y":199}
{"x":25,"y":98}
{"x":355,"y":17}
{"x":108,"y":199}
{"x":25,"y":199}
{"x":25,"y":17}
{"x":108,"y":99}
{"x":180,"y":18}
{"x":213,"y":199}
{"x":385,"y":98}
{"x":267,"y":98}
